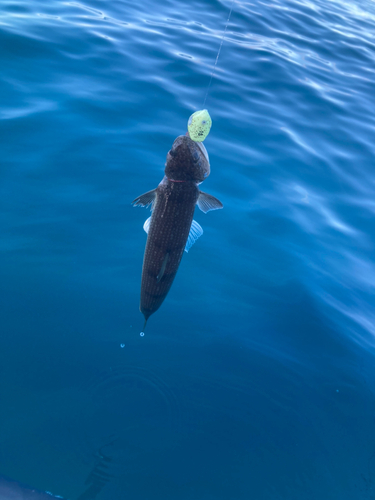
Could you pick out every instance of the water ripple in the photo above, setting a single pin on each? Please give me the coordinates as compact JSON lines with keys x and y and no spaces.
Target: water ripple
{"x":92,"y":96}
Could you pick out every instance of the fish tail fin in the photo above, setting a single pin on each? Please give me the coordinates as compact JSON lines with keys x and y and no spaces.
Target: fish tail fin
{"x":144,"y":327}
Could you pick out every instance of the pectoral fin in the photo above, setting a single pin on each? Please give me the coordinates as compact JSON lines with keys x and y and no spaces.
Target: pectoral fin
{"x":206,"y":202}
{"x":195,"y":232}
{"x":145,"y":199}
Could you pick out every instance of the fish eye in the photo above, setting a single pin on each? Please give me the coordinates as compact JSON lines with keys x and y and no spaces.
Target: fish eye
{"x":195,"y":156}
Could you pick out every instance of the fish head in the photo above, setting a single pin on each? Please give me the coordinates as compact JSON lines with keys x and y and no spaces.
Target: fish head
{"x":187,"y":160}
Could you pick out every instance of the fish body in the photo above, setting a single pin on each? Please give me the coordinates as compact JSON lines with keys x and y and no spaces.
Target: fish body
{"x":171,"y":228}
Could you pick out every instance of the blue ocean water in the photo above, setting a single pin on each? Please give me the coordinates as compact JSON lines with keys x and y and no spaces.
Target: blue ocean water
{"x":255,"y":379}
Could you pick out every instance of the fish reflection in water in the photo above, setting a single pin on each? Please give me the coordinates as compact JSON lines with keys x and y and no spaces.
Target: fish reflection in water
{"x":98,"y":477}
{"x":130,"y":412}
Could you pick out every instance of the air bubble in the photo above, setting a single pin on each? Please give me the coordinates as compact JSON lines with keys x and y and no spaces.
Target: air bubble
{"x":142,"y":334}
{"x":122,"y":346}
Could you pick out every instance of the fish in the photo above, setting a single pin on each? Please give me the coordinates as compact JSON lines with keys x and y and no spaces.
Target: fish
{"x":13,"y":490}
{"x":171,"y":228}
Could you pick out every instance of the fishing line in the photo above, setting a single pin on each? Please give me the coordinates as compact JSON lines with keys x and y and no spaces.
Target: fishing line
{"x":218,"y":53}
{"x":199,"y":125}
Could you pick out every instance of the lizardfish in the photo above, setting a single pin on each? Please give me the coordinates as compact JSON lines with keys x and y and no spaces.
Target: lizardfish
{"x":171,"y":228}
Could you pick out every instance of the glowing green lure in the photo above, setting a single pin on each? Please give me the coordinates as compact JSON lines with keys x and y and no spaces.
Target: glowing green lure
{"x":199,"y":125}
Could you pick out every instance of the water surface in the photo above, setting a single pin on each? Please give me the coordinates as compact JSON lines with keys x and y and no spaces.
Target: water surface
{"x":255,"y":379}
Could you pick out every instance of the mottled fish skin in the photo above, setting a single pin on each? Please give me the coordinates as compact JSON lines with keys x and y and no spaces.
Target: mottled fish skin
{"x":173,"y":204}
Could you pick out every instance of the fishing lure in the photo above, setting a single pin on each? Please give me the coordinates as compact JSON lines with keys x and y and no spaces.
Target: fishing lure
{"x":199,"y":125}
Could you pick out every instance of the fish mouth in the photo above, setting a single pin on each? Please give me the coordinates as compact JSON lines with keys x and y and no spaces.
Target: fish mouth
{"x":181,"y":139}
{"x":204,"y":151}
